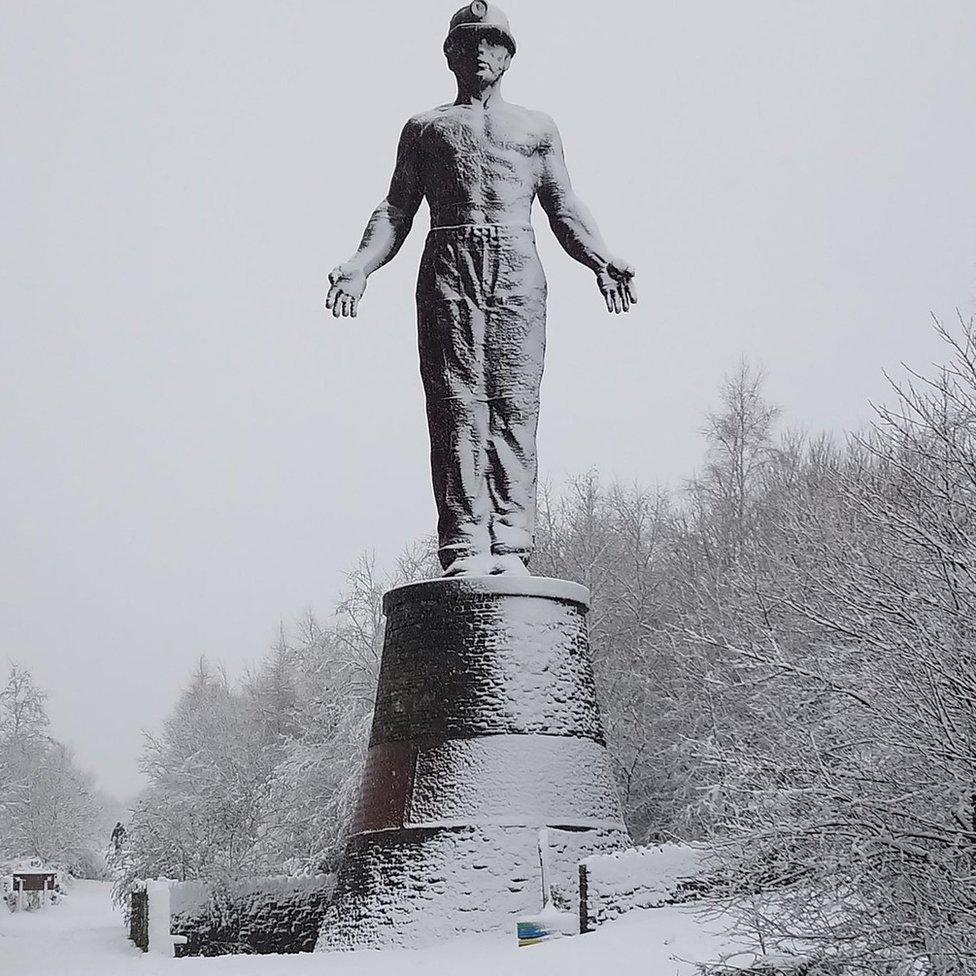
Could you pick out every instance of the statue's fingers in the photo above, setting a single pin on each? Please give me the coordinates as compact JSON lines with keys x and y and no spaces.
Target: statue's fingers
{"x":353,"y":306}
{"x":345,"y":305}
{"x":615,"y":295}
{"x":336,"y":307}
{"x":609,"y":300}
{"x":631,"y":287}
{"x":331,"y":297}
{"x":624,"y":298}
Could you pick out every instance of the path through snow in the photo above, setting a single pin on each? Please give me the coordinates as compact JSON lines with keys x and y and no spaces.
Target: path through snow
{"x":84,"y":936}
{"x":84,"y":930}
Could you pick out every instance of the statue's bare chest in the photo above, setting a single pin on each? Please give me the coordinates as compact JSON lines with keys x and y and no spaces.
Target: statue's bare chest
{"x":465,"y":142}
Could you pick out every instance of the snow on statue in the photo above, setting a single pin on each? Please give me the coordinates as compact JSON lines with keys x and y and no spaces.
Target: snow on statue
{"x":481,"y":296}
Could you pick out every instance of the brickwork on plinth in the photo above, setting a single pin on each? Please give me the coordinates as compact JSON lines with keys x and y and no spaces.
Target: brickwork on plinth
{"x":486,"y":728}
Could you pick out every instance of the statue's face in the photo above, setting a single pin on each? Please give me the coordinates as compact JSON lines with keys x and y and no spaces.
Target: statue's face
{"x":477,"y":57}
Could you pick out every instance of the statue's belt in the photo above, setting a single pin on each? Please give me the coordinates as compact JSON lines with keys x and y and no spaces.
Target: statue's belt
{"x":483,"y":230}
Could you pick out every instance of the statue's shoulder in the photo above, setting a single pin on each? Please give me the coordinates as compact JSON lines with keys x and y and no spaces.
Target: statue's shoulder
{"x":416,"y":125}
{"x":538,"y":116}
{"x":541,"y":124}
{"x":422,"y":120}
{"x":547,"y":125}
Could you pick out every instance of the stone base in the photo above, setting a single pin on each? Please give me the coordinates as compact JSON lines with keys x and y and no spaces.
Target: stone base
{"x":486,"y":729}
{"x":412,"y":888}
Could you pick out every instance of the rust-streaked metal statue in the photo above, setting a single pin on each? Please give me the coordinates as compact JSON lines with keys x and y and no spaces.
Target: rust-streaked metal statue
{"x":481,"y":294}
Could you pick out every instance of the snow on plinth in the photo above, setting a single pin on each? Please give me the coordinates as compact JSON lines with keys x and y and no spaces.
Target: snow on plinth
{"x":486,"y":729}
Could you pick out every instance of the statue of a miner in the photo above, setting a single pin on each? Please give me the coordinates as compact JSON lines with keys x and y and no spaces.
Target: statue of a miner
{"x":481,"y":296}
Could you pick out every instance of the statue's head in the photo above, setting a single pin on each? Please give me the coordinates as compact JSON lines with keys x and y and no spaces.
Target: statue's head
{"x":479,"y":45}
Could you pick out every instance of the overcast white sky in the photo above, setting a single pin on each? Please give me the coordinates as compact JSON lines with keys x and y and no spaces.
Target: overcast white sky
{"x":192,"y":451}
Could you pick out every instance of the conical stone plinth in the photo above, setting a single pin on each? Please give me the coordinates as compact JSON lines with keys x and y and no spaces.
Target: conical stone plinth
{"x":486,"y":728}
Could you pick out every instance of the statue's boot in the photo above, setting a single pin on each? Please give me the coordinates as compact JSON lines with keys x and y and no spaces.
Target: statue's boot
{"x":509,"y":564}
{"x":480,"y":564}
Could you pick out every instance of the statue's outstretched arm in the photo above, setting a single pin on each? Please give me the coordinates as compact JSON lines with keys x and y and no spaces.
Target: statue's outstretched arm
{"x":575,"y":228}
{"x":385,"y":232}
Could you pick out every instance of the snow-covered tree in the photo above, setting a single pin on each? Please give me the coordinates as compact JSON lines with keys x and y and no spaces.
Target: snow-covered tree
{"x":23,"y":716}
{"x":49,"y":808}
{"x":853,"y":800}
{"x":261,"y":778}
{"x":740,"y":452}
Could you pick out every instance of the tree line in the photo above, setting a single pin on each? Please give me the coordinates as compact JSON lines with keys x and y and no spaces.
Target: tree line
{"x":49,"y":808}
{"x":785,"y":656}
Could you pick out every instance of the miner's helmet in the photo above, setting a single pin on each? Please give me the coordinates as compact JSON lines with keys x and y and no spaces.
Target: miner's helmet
{"x":481,"y":17}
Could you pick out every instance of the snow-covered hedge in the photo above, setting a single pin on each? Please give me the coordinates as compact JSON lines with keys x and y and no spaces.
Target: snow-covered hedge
{"x":641,"y":877}
{"x":261,"y":915}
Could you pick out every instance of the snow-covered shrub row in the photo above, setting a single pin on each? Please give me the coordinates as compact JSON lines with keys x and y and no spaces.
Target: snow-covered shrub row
{"x":253,"y":917}
{"x":641,"y":877}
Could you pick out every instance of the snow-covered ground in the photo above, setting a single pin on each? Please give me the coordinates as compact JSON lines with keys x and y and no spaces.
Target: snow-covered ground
{"x":84,"y":936}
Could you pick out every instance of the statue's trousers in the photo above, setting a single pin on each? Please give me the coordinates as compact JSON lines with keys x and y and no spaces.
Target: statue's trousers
{"x":481,"y":310}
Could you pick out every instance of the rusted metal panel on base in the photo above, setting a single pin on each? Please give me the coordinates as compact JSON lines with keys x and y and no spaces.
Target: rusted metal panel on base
{"x":387,"y":784}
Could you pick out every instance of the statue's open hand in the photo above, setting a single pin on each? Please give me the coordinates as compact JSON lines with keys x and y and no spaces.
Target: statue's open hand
{"x":616,"y":281}
{"x":347,"y":284}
